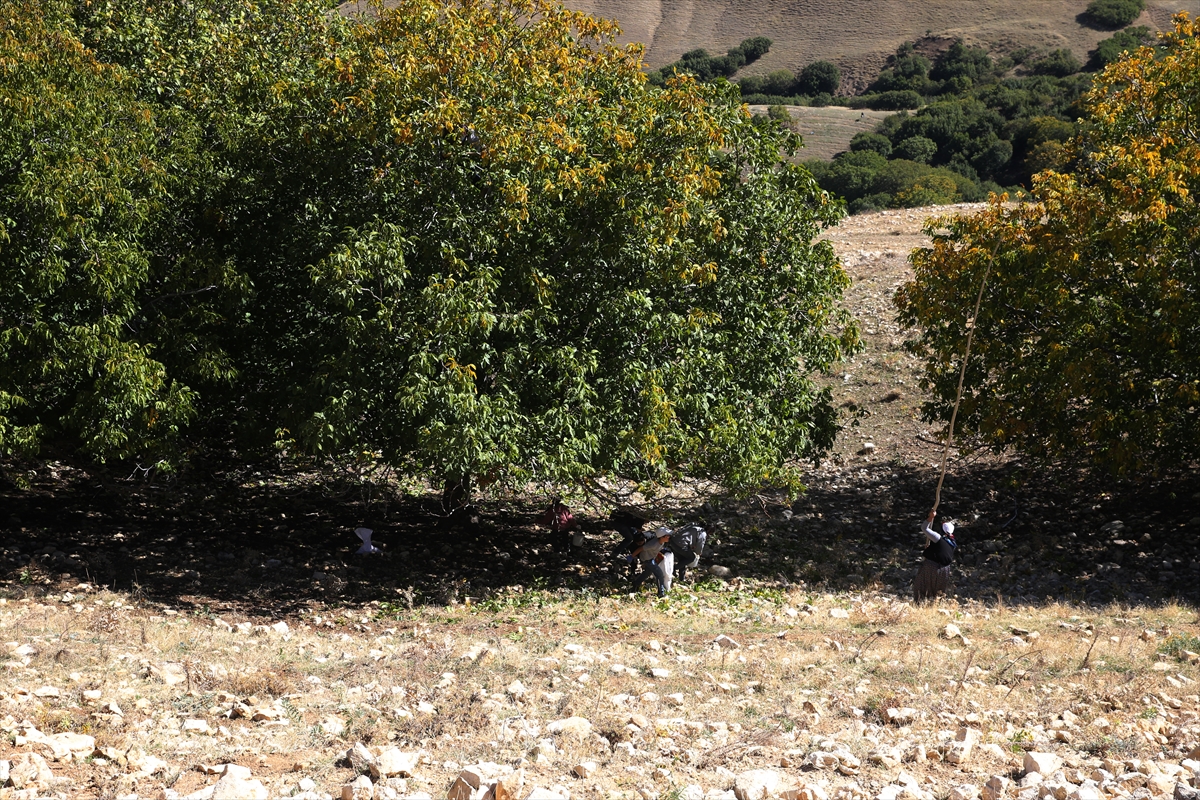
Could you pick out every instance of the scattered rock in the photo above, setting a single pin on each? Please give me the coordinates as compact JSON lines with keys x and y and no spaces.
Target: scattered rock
{"x":901,"y":716}
{"x":759,"y":784}
{"x":966,"y":791}
{"x":30,"y":770}
{"x":725,"y":643}
{"x":361,"y":789}
{"x":964,"y":742}
{"x":233,"y":787}
{"x":996,"y":788}
{"x":585,"y":769}
{"x":394,"y":762}
{"x":839,"y":613}
{"x":361,"y":759}
{"x":578,"y":727}
{"x":171,"y":673}
{"x":1043,"y":763}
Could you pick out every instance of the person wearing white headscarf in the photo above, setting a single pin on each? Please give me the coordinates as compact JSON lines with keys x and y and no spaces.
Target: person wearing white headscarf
{"x":933,"y":576}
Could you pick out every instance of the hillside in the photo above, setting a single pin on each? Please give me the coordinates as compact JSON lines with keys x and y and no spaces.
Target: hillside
{"x":857,"y":35}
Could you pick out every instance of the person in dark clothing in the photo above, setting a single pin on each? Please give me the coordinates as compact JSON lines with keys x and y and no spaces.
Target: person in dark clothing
{"x":933,"y":576}
{"x":561,"y":522}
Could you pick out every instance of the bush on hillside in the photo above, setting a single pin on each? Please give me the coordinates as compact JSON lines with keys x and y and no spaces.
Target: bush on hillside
{"x":1059,"y":63}
{"x":1115,"y":46}
{"x":819,"y":77}
{"x":871,"y":141}
{"x":705,"y":67}
{"x":907,"y":70}
{"x":916,"y":148}
{"x":1085,"y":341}
{"x":1111,"y":14}
{"x":961,"y":61}
{"x":887,"y":101}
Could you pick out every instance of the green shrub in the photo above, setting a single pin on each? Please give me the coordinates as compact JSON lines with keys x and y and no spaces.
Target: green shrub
{"x":1060,"y":63}
{"x":780,"y":82}
{"x":928,"y":190}
{"x":1110,"y":14}
{"x":780,"y":114}
{"x":819,"y":77}
{"x":888,"y":101}
{"x":871,"y":141}
{"x":1117,"y":45}
{"x":907,"y":70}
{"x":751,"y":84}
{"x":921,"y":149}
{"x":755,"y":48}
{"x":961,"y":61}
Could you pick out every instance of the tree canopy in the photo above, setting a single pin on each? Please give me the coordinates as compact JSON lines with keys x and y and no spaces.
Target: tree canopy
{"x":466,"y":238}
{"x":1086,"y":340}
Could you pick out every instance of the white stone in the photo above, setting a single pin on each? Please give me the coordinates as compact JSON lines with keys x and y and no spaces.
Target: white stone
{"x":965,"y":791}
{"x":67,"y":746}
{"x":839,"y":613}
{"x":231,"y":787}
{"x":585,"y":769}
{"x":757,"y":784}
{"x":332,"y":726}
{"x":901,"y":716}
{"x":659,"y":672}
{"x":394,"y":762}
{"x":46,"y":691}
{"x":726,"y":643}
{"x":195,"y":726}
{"x":578,"y":727}
{"x":1044,"y":763}
{"x":516,"y":689}
{"x":361,"y":789}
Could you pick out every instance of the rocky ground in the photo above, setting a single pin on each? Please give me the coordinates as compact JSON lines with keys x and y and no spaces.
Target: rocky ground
{"x":156,"y":634}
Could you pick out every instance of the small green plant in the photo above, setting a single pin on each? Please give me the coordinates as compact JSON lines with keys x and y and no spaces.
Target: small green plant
{"x":1179,"y":644}
{"x":1019,"y":739}
{"x":26,"y":577}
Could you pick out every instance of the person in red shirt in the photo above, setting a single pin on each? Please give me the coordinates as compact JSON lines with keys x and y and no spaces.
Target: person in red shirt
{"x":561,"y":522}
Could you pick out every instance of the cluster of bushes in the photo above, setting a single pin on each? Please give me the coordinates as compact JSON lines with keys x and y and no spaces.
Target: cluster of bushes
{"x":1119,"y":44}
{"x":707,"y":67}
{"x":818,"y":81}
{"x":1110,"y":14}
{"x":974,"y":121}
{"x":876,"y":176}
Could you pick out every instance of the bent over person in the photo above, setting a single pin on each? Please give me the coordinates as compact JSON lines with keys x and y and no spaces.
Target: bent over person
{"x":933,"y":577}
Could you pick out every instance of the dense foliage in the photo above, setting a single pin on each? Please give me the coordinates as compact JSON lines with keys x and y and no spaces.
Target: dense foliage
{"x":991,"y":123}
{"x":704,"y":67}
{"x":465,"y":238}
{"x":815,"y":85}
{"x":1110,"y":14}
{"x":1086,"y":340}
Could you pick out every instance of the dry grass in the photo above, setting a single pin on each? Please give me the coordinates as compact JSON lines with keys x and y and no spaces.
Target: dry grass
{"x":856,"y":35}
{"x":828,"y":131}
{"x":800,"y":678}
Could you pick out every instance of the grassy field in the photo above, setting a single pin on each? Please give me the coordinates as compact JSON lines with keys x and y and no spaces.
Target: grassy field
{"x":828,"y":130}
{"x":856,"y":34}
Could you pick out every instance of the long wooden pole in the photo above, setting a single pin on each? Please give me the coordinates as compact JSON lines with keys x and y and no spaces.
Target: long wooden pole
{"x":962,"y":374}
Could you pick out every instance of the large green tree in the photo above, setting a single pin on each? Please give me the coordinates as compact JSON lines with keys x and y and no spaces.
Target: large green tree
{"x":1086,"y":343}
{"x":471,"y":239}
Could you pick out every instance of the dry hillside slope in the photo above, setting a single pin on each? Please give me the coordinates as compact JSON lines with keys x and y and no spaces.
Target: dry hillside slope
{"x":854,"y":33}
